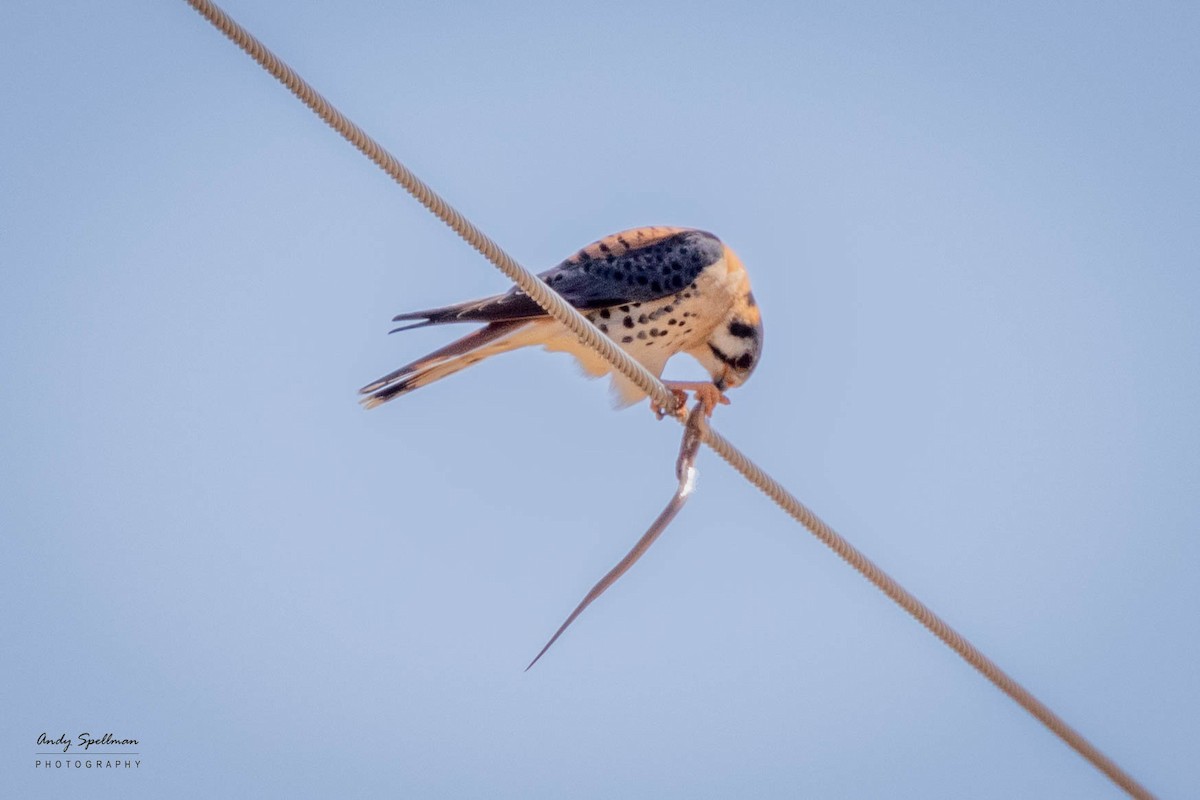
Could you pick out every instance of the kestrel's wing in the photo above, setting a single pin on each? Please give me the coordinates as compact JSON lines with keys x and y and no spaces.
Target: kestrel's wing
{"x":634,"y":266}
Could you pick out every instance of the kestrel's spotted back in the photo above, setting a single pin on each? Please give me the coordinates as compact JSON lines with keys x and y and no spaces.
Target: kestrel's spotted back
{"x":655,"y":291}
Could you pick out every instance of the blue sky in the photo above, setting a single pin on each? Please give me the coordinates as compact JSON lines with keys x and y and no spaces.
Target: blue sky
{"x":972,"y":232}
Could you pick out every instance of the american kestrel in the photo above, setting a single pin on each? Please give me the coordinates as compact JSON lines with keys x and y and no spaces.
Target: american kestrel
{"x":654,"y":291}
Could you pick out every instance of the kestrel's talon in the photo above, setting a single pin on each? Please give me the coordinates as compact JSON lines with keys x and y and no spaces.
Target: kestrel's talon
{"x":710,"y":397}
{"x":681,"y":398}
{"x":707,"y":394}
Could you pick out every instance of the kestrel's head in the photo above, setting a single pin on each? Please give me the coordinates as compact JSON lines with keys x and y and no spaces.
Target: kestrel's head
{"x":735,"y":345}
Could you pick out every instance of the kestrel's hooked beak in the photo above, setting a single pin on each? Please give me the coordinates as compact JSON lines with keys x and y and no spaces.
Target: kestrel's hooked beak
{"x":728,"y":379}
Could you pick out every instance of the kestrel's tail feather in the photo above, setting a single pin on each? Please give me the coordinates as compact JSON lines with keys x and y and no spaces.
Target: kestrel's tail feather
{"x":490,"y":340}
{"x":508,"y":307}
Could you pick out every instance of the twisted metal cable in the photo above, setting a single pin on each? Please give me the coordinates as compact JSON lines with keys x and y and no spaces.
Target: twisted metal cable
{"x":590,"y":335}
{"x":922,"y":613}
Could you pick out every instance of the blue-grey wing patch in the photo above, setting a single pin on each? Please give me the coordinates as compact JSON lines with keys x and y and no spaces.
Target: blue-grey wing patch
{"x":634,"y":266}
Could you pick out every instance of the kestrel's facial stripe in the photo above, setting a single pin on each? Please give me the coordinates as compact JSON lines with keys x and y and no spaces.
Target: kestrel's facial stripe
{"x":741,"y":362}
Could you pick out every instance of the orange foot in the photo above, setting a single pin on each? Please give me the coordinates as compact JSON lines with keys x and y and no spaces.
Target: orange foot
{"x":708,"y":395}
